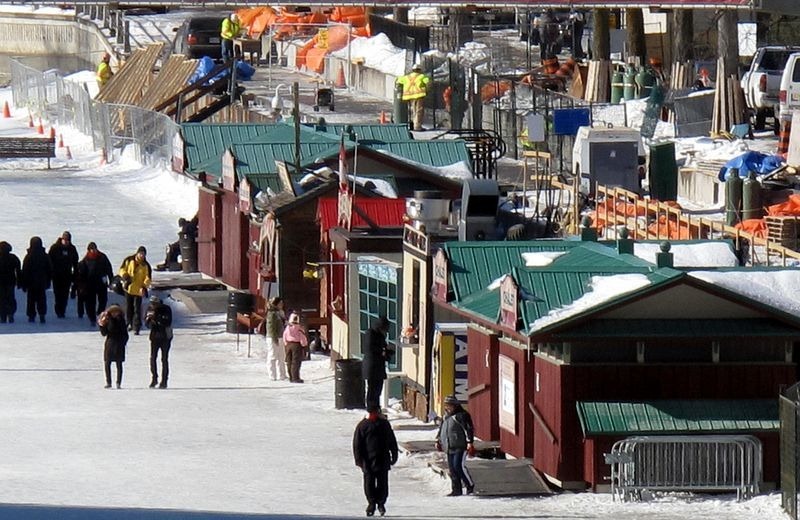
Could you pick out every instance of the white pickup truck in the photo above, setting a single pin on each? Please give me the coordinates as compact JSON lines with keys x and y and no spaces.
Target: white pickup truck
{"x":761,"y":82}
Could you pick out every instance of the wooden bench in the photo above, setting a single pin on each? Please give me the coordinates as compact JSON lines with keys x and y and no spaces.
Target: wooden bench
{"x":28,"y":147}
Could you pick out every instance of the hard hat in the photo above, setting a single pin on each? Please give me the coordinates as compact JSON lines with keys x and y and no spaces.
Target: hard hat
{"x":234,"y":17}
{"x":417,"y":67}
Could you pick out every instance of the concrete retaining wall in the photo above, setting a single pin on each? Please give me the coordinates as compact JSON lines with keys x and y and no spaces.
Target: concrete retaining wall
{"x":34,"y":34}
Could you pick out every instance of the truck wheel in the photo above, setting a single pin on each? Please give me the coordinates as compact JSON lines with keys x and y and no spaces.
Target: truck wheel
{"x":761,"y":119}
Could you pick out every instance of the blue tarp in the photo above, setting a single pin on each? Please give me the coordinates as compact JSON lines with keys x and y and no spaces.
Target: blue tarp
{"x":751,"y":161}
{"x":244,"y":71}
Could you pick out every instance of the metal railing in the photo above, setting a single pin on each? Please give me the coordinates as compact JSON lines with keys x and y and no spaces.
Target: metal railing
{"x":685,"y":463}
{"x":112,"y":127}
{"x":789,"y":410}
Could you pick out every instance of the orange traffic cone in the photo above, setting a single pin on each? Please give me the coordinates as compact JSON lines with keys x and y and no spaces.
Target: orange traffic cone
{"x":383,"y":117}
{"x":30,"y":120}
{"x":6,"y":110}
{"x":52,"y":132}
{"x":69,"y":154}
{"x":340,"y":81}
{"x":60,"y":141}
{"x":104,"y":158}
{"x":784,"y":136}
{"x":40,"y":128}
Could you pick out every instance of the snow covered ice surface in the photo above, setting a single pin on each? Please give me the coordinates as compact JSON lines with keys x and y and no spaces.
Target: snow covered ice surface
{"x":223,"y":437}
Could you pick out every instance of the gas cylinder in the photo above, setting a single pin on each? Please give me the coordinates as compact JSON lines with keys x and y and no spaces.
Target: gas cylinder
{"x":645,"y":80}
{"x":629,"y":90}
{"x":751,"y":197}
{"x":733,"y":197}
{"x":616,"y":87}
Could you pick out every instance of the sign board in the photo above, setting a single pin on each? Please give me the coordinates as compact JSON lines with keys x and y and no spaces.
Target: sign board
{"x":177,"y":153}
{"x":244,"y":196}
{"x":509,"y":302}
{"x":345,"y":213}
{"x":268,"y":238}
{"x":285,"y":178}
{"x":449,"y":364}
{"x":507,"y":394}
{"x":566,"y":121}
{"x":440,"y":275}
{"x":747,"y":38}
{"x":228,"y":171}
{"x":415,"y":240}
{"x":535,"y":125}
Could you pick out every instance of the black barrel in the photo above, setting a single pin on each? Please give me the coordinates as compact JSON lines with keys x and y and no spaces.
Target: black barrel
{"x":349,"y":386}
{"x":188,"y":253}
{"x":238,"y":301}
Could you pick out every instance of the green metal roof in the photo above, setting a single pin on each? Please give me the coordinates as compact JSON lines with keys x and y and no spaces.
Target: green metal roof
{"x":204,"y":141}
{"x":435,"y":153}
{"x":259,"y":158}
{"x":284,"y":133}
{"x":678,"y":416}
{"x":262,"y":181}
{"x":700,"y":328}
{"x":368,"y":133}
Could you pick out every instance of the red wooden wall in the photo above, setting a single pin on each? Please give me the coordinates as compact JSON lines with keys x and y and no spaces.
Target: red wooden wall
{"x":209,"y":233}
{"x":234,"y":242}
{"x":520,"y":444}
{"x":482,"y":370}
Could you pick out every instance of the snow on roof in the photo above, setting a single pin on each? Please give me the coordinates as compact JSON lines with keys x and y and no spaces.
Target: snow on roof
{"x":602,"y":289}
{"x":541,"y":259}
{"x":705,"y":254}
{"x":776,"y":288}
{"x":380,"y":186}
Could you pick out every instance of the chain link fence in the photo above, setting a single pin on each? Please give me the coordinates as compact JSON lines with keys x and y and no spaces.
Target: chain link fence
{"x":112,"y":127}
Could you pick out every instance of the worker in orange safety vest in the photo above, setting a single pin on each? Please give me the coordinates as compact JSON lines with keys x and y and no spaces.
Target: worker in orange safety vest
{"x":415,"y":88}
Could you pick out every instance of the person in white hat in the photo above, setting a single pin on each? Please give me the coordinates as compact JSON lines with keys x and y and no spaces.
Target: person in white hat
{"x":295,"y":339}
{"x":230,"y":29}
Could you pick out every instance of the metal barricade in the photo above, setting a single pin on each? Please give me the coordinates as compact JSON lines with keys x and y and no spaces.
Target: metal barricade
{"x":685,"y":463}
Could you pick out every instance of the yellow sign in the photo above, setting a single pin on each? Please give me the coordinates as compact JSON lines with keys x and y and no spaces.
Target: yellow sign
{"x":322,"y":39}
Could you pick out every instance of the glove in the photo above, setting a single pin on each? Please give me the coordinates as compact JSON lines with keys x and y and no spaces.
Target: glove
{"x":471,"y":450}
{"x":438,"y":446}
{"x":393,"y":461}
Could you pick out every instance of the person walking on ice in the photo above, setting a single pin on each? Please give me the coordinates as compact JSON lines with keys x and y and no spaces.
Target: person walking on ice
{"x":375,"y":452}
{"x":295,"y":339}
{"x":273,"y":327}
{"x":159,"y":318}
{"x":455,"y":438}
{"x":112,"y":326}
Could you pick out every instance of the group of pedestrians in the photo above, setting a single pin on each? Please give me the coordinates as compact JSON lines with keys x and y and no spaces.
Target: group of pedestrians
{"x":60,"y":267}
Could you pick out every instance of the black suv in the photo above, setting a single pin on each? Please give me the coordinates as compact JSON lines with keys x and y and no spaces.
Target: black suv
{"x":198,"y":36}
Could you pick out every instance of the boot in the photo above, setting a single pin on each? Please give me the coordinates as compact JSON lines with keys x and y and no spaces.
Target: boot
{"x":163,"y":384}
{"x":370,"y":509}
{"x":381,"y":509}
{"x":153,"y":383}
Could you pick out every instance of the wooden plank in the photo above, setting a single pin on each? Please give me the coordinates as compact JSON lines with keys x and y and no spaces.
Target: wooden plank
{"x":172,"y":78}
{"x":128,"y":85}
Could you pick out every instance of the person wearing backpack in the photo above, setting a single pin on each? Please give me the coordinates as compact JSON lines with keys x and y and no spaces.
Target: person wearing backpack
{"x":159,"y":318}
{"x":136,"y":274}
{"x":455,"y":438}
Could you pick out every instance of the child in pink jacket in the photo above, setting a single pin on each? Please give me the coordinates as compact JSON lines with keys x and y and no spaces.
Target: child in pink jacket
{"x":295,"y":339}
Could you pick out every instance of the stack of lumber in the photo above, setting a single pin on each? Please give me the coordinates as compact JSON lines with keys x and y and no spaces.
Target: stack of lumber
{"x":128,"y":85}
{"x":174,"y":76}
{"x":681,"y":75}
{"x":598,"y":82}
{"x":783,"y":230}
{"x":730,"y":107}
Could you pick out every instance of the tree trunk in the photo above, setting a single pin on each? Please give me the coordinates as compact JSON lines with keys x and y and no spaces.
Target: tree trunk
{"x":634,"y":23}
{"x":601,"y":37}
{"x":683,"y":32}
{"x":727,"y":40}
{"x":401,"y":14}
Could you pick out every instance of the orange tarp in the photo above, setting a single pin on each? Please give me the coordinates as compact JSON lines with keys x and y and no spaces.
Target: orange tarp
{"x":756,"y":226}
{"x":785,"y":209}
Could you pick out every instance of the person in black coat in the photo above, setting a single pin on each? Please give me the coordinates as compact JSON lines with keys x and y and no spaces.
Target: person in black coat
{"x":376,"y":353}
{"x":91,"y":282}
{"x":159,"y":318}
{"x":64,"y":259}
{"x":112,"y":326}
{"x":10,"y":276}
{"x":375,"y":452}
{"x":36,"y":276}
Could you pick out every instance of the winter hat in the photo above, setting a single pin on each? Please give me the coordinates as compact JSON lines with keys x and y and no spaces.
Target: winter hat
{"x":294,"y":318}
{"x":91,"y":245}
{"x":451,"y":399}
{"x":142,"y":250}
{"x":275,"y":301}
{"x":67,"y":235}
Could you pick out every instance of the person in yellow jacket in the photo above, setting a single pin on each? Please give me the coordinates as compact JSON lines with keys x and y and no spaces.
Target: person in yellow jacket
{"x":229,"y":30}
{"x":415,"y":88}
{"x":136,"y":274}
{"x":104,"y":72}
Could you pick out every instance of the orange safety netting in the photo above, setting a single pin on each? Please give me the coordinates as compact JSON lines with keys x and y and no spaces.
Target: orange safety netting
{"x":675,"y":230}
{"x":790,"y":207}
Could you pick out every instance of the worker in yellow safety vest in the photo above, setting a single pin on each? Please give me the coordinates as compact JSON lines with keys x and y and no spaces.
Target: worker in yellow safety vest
{"x":104,"y":72}
{"x":415,"y":88}
{"x":229,"y":30}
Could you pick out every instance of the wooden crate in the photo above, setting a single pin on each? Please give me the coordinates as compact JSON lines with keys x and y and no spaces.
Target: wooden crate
{"x":784,"y":230}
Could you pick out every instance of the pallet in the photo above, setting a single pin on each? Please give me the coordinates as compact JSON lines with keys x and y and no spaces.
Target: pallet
{"x":784,"y":230}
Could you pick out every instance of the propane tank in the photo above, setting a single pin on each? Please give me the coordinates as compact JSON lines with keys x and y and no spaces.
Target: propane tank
{"x":645,"y":80}
{"x":629,"y":91}
{"x":733,"y":197}
{"x":616,"y":87}
{"x":751,"y":197}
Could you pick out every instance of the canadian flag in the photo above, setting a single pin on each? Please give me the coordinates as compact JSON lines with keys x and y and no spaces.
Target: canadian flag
{"x":342,"y":166}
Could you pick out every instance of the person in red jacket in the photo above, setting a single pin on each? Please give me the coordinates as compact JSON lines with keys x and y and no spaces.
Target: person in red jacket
{"x":375,"y":452}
